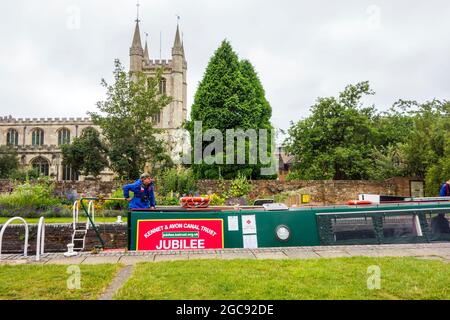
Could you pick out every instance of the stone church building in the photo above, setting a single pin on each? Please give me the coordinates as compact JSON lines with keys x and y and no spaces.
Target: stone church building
{"x":38,"y":141}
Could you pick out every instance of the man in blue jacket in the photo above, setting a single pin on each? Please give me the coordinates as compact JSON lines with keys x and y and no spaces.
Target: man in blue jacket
{"x":445,"y":190}
{"x":144,"y":193}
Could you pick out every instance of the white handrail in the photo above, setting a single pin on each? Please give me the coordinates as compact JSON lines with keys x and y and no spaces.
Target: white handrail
{"x":75,"y":211}
{"x":91,"y":212}
{"x":40,"y":238}
{"x":25,"y":249}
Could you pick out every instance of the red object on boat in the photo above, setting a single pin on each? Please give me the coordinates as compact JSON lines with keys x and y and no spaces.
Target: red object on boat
{"x":195,"y":202}
{"x":359,"y":203}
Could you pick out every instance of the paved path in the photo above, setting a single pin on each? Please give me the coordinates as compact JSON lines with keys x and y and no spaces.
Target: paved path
{"x":118,"y":281}
{"x":439,"y":251}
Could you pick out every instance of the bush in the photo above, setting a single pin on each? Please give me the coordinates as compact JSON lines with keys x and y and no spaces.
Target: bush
{"x":117,"y":204}
{"x":175,"y":180}
{"x":24,"y":175}
{"x":30,"y":212}
{"x":239,"y":187}
{"x":217,"y":200}
{"x":169,"y":200}
{"x":38,"y":196}
{"x":9,"y":161}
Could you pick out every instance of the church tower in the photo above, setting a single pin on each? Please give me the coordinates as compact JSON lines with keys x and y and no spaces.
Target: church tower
{"x":173,"y":83}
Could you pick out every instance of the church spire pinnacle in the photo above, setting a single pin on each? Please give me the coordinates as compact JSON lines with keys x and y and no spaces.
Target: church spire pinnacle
{"x":136,"y":51}
{"x":146,"y":53}
{"x":177,"y":44}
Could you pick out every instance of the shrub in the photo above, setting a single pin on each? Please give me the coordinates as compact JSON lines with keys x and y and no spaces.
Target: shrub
{"x":179,"y":180}
{"x":24,"y":175}
{"x":117,"y":204}
{"x":239,"y":187}
{"x":38,"y":196}
{"x":169,"y":200}
{"x":11,"y":211}
{"x":217,"y":200}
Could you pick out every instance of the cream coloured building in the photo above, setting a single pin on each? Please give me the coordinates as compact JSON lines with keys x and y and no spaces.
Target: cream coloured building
{"x":38,"y":141}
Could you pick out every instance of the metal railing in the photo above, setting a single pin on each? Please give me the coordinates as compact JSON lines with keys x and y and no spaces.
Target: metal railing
{"x":40,"y":239}
{"x":25,"y":248}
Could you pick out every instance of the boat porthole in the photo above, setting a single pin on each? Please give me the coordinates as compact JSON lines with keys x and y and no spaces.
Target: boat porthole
{"x":283,"y":233}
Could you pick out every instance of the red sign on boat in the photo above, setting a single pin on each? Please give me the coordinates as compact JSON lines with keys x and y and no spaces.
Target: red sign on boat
{"x":188,"y":234}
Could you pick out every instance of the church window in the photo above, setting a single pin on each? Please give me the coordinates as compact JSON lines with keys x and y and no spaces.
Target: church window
{"x":41,"y":165}
{"x":63,"y":136}
{"x":12,"y":137}
{"x":163,"y":86}
{"x":37,"y":137}
{"x":69,"y":174}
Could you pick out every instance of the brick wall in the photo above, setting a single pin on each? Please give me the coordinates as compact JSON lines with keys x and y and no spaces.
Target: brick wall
{"x":57,"y":237}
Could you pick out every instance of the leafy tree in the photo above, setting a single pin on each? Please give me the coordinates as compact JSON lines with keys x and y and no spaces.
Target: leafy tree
{"x":336,"y":141}
{"x":9,"y":161}
{"x":126,"y":121}
{"x":389,"y":161}
{"x":86,"y":154}
{"x":427,"y":148}
{"x":230,"y":96}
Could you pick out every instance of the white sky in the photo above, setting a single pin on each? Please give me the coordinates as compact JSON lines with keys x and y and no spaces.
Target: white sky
{"x":51,"y":65}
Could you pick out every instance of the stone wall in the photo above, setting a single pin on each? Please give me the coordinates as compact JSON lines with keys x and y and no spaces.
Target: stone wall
{"x":326,"y":192}
{"x":57,"y":237}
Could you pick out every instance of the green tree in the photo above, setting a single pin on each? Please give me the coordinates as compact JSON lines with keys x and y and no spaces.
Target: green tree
{"x":126,"y":121}
{"x":86,"y":154}
{"x":427,"y":148}
{"x":336,"y":141}
{"x":426,"y":144}
{"x":230,"y":96}
{"x":9,"y":161}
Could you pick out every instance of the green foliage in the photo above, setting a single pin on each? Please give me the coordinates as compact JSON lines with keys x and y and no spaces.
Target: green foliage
{"x":336,"y":141}
{"x":117,"y":204}
{"x":86,"y":154}
{"x":343,"y":140}
{"x":24,"y":175}
{"x":389,"y":162}
{"x":9,"y":161}
{"x":230,"y":96}
{"x":168,"y":200}
{"x":239,"y":187}
{"x":36,"y":195}
{"x":177,"y":180}
{"x":124,"y":117}
{"x":217,"y":199}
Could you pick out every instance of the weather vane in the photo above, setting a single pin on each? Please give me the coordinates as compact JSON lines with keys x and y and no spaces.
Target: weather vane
{"x":178,"y":18}
{"x":137,"y":7}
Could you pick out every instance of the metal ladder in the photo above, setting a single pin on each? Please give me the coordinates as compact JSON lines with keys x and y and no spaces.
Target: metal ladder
{"x":79,"y":233}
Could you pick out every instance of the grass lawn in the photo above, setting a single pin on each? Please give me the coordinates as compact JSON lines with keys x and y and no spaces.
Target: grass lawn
{"x":98,"y":219}
{"x":49,"y":282}
{"x":343,"y":278}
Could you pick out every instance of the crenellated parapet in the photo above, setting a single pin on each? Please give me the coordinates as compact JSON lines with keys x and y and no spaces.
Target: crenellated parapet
{"x":153,"y":64}
{"x":37,"y":121}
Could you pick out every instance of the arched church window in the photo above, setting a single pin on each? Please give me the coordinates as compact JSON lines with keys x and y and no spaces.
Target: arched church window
{"x":41,"y":165}
{"x":37,"y":137}
{"x":12,"y":137}
{"x":63,"y":136}
{"x":163,"y":86}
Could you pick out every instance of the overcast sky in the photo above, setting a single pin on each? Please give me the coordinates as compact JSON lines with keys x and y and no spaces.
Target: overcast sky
{"x":53,"y":53}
